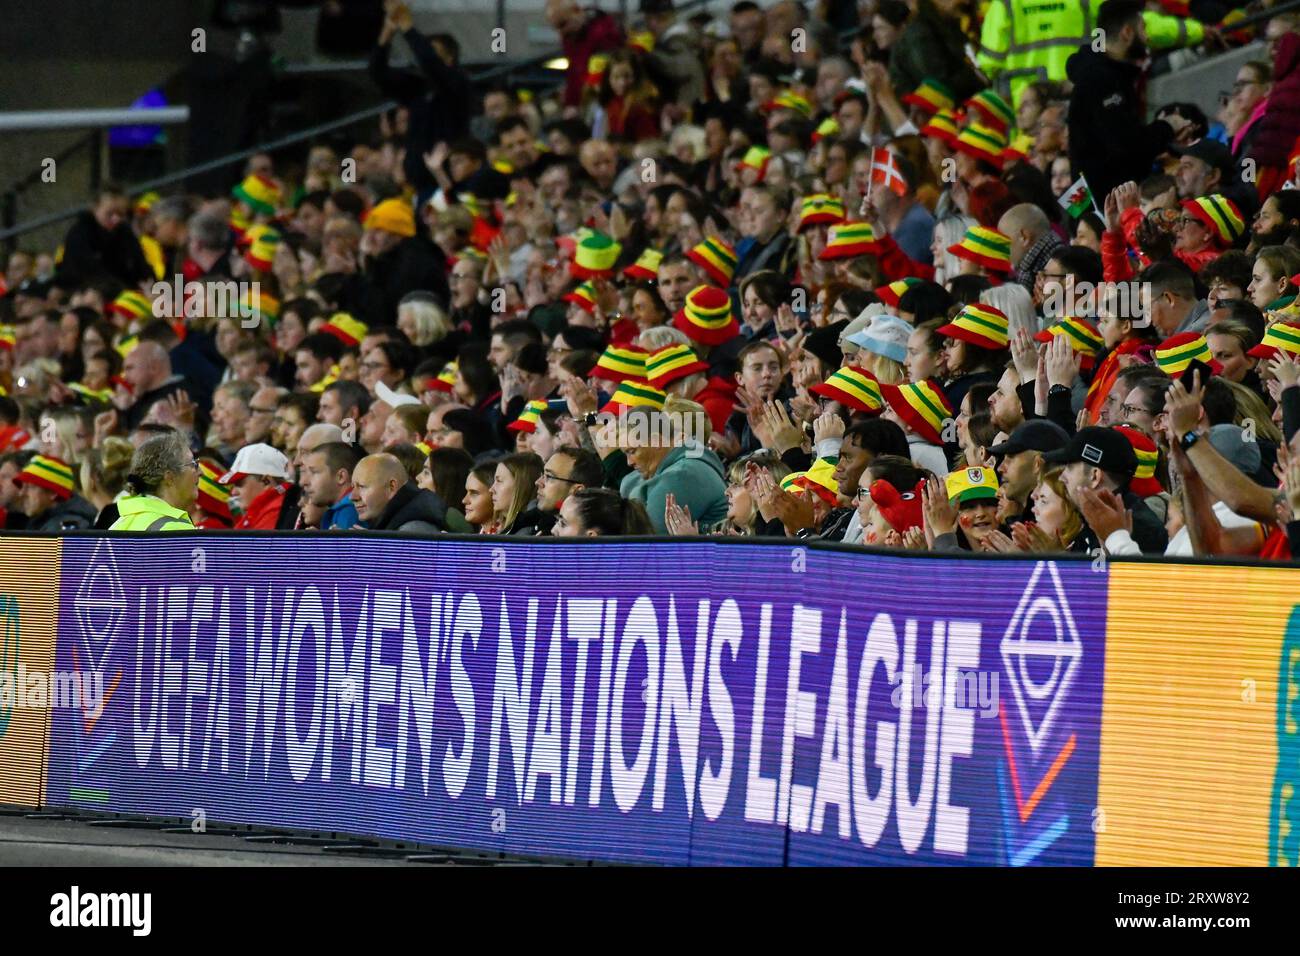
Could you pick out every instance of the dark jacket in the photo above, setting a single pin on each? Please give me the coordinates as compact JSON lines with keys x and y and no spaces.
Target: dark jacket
{"x":93,"y":254}
{"x":71,"y":515}
{"x":414,"y":264}
{"x":933,"y":46}
{"x":532,"y":521}
{"x":777,"y":255}
{"x":140,"y":408}
{"x":1109,"y":143}
{"x":1148,"y":530}
{"x":439,"y":97}
{"x":1276,"y":131}
{"x":413,"y":510}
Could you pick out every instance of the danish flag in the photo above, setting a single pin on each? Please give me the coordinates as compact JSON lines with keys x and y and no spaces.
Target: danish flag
{"x":884,"y":170}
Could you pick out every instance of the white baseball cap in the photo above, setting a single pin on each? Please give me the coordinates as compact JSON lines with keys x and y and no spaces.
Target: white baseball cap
{"x":259,"y":459}
{"x":393,"y":399}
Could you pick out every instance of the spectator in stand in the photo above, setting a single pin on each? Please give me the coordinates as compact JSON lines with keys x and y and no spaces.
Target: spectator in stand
{"x":326,"y":478}
{"x":259,"y":479}
{"x":387,"y":500}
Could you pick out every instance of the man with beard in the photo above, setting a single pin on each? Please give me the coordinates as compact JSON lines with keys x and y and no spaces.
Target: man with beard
{"x":677,"y":277}
{"x":1277,"y":220}
{"x":1108,"y":141}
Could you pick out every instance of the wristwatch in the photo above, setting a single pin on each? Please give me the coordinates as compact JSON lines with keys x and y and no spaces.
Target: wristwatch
{"x":1189,"y":439}
{"x":1058,"y":388}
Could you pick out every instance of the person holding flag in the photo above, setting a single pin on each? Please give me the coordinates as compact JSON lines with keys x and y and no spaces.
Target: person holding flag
{"x":900,"y":213}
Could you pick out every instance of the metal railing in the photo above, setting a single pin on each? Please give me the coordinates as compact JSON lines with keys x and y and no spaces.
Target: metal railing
{"x":29,"y":120}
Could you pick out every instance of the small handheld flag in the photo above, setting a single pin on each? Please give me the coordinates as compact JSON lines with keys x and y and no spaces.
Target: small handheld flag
{"x":1078,"y":199}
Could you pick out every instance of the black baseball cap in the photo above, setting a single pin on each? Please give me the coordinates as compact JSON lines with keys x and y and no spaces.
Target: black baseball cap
{"x":1102,"y":447}
{"x":1036,"y":435}
{"x":1209,"y":151}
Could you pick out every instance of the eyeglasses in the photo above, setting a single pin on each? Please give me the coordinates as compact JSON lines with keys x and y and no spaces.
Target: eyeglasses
{"x":372,"y":366}
{"x":551,"y":476}
{"x":1128,"y":411}
{"x":260,"y":411}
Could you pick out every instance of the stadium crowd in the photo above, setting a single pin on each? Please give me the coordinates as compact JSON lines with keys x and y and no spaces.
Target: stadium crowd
{"x":877,"y":273}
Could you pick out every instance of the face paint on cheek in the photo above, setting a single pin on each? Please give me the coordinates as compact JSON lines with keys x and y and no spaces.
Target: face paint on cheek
{"x":966,"y":519}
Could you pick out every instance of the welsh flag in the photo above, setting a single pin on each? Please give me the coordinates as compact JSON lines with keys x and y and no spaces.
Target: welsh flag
{"x":1078,"y":198}
{"x":884,"y":170}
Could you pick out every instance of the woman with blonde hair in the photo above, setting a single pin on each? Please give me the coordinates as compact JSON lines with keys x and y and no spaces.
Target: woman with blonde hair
{"x":103,"y":477}
{"x":1015,"y":302}
{"x":743,"y":515}
{"x":514,"y":490}
{"x":1057,"y":522}
{"x":422,"y":319}
{"x":64,"y":435}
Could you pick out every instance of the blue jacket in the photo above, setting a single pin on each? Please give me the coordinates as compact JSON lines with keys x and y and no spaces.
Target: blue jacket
{"x":341,"y":515}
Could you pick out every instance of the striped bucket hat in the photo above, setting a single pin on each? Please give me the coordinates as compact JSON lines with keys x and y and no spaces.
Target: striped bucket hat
{"x":444,"y":381}
{"x":1144,"y":483}
{"x":944,"y":125}
{"x":529,"y":417}
{"x":849,"y":240}
{"x":854,"y":387}
{"x":827,"y":128}
{"x":259,"y":302}
{"x":718,"y":260}
{"x":1175,"y":353}
{"x":985,"y":247}
{"x":646,"y":266}
{"x":594,"y":257}
{"x":214,"y":497}
{"x":820,"y":480}
{"x":1279,"y":337}
{"x":261,"y":251}
{"x":983,"y":143}
{"x":922,"y":405}
{"x":993,"y":110}
{"x":1018,"y":149}
{"x":1082,"y":334}
{"x":756,"y":158}
{"x":979,"y":325}
{"x":820,"y":208}
{"x":8,"y":338}
{"x":582,"y":295}
{"x":1219,"y":214}
{"x":930,"y":97}
{"x":891,"y":293}
{"x":634,"y":394}
{"x":49,"y":473}
{"x":132,"y":305}
{"x":260,"y":194}
{"x":345,"y":328}
{"x":673,"y":362}
{"x":706,"y":317}
{"x":789,"y":100}
{"x":620,"y":363}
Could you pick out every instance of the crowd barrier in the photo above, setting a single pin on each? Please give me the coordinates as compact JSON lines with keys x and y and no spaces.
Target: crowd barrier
{"x":677,"y":702}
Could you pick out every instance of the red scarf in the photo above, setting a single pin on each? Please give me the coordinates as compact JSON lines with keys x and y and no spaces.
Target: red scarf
{"x":1106,"y":375}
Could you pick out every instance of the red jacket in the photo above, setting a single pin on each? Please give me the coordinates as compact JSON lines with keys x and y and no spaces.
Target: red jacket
{"x":263,"y":514}
{"x":1115,"y":247}
{"x":1280,"y":125}
{"x":718,"y":396}
{"x":599,"y":34}
{"x":896,"y":264}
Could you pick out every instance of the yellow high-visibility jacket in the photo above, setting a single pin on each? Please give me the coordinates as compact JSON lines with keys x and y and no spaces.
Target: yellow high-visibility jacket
{"x":1026,"y":40}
